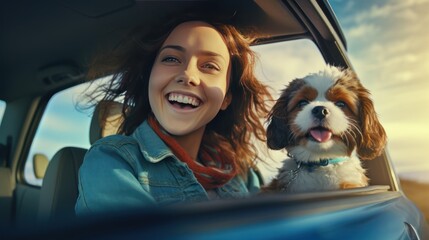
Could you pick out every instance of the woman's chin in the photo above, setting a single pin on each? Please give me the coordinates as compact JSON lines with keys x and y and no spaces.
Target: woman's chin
{"x":180,"y":129}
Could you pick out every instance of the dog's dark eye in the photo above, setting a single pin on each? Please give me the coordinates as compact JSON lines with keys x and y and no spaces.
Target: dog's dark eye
{"x":341,"y":104}
{"x":302,"y":103}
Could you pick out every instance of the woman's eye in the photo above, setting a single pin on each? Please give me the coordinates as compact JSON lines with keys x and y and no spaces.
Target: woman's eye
{"x":211,"y":66}
{"x":302,"y":103}
{"x":341,"y":104}
{"x":170,"y":60}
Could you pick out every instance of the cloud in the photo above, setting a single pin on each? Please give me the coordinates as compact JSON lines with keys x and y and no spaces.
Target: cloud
{"x":361,"y":30}
{"x":376,"y":12}
{"x":407,"y":145}
{"x":64,"y":125}
{"x":388,"y":48}
{"x":390,"y":10}
{"x":408,"y":15}
{"x":282,"y":62}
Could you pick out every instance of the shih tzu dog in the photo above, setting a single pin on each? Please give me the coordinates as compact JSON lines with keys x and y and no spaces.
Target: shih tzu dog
{"x":327,"y":123}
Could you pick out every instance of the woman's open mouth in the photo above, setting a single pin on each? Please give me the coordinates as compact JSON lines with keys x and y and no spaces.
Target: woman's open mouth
{"x":183,"y":101}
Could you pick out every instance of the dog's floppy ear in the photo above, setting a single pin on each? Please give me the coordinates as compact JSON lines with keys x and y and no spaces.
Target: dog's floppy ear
{"x":279,"y":134}
{"x":373,"y":138}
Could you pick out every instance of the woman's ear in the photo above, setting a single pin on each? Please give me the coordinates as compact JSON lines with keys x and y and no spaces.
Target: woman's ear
{"x":226,"y":101}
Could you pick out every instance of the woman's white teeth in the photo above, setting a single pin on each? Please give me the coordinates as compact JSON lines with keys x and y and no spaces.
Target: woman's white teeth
{"x":184,"y":99}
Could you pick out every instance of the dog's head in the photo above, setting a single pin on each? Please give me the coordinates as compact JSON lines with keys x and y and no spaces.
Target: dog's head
{"x":325,"y":115}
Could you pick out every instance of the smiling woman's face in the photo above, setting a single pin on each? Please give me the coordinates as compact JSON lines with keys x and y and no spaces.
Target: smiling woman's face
{"x":189,"y":78}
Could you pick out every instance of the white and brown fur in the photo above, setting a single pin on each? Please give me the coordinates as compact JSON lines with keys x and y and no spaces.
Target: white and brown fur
{"x":335,"y":102}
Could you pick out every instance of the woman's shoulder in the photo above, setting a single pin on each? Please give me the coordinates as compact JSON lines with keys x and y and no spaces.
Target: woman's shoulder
{"x":122,"y":145}
{"x":116,"y":140}
{"x":114,"y":149}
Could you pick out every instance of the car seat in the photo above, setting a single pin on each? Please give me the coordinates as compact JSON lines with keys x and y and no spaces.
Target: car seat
{"x":60,"y":185}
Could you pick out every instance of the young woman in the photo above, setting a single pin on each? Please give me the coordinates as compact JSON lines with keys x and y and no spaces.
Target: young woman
{"x":191,"y":103}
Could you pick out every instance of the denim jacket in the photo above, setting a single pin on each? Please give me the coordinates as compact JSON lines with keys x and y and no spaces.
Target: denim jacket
{"x":121,"y":172}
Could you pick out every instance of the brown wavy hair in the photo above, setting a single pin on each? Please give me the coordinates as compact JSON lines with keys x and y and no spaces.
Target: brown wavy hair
{"x":231,"y":130}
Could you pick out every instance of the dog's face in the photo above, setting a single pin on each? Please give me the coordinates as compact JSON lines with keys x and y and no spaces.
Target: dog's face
{"x":326,"y":115}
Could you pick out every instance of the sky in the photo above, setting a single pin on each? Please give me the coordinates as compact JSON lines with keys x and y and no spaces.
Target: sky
{"x":388,"y":47}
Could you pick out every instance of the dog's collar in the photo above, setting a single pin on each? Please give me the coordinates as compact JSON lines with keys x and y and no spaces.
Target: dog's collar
{"x":322,"y":162}
{"x":310,"y":166}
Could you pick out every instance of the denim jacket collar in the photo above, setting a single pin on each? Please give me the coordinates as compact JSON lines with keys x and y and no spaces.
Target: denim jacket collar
{"x":152,"y":147}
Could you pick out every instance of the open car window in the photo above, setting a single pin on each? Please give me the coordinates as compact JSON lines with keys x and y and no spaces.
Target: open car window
{"x":64,"y":125}
{"x":279,"y":63}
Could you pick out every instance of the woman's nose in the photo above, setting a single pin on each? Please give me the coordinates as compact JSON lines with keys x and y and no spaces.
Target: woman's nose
{"x":190,"y":75}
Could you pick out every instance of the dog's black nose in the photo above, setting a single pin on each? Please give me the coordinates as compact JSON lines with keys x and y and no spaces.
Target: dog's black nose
{"x":320,"y":112}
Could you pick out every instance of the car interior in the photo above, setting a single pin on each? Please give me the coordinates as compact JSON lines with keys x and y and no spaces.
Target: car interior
{"x":59,"y":191}
{"x":47,"y":47}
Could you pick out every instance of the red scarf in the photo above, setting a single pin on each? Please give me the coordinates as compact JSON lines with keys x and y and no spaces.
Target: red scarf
{"x":208,"y":175}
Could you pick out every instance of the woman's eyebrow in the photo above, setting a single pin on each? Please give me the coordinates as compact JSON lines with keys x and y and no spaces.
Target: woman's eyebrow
{"x":182,"y":49}
{"x":176,"y":47}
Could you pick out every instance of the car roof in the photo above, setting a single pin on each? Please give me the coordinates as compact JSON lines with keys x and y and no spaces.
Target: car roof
{"x":46,"y":45}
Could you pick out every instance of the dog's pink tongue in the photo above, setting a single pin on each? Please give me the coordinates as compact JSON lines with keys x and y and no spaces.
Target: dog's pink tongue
{"x":321,"y":135}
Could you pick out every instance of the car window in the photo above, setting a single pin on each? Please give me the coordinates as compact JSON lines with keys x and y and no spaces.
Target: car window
{"x":63,"y":124}
{"x":279,"y":63}
{"x":2,"y":108}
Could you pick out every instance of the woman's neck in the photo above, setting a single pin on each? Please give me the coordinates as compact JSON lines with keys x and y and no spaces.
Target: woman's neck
{"x":191,"y":142}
